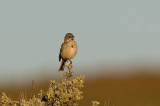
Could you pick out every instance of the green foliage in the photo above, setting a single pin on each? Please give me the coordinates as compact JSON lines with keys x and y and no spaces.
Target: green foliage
{"x":5,"y":100}
{"x":32,"y":102}
{"x":64,"y":93}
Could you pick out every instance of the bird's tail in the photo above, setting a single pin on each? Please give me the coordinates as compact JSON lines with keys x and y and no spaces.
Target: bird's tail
{"x":62,"y":65}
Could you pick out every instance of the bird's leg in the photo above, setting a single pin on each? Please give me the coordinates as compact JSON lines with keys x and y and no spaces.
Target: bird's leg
{"x":70,"y":61}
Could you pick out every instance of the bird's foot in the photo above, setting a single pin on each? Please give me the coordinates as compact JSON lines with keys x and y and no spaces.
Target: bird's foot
{"x":70,"y":61}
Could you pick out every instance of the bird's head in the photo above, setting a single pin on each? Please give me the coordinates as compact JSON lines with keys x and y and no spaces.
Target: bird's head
{"x":68,"y":37}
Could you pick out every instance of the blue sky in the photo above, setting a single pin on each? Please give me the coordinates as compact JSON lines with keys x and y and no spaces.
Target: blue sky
{"x":106,"y":31}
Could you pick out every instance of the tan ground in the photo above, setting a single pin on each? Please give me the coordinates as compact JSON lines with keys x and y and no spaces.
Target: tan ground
{"x":136,"y":90}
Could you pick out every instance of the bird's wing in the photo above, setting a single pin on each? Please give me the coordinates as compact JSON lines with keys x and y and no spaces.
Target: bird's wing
{"x":61,"y":49}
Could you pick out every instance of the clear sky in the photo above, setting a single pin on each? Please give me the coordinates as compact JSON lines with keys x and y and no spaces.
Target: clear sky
{"x":106,"y":31}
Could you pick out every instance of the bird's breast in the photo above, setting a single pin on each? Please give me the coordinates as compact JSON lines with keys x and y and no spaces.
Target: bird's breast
{"x":69,"y":51}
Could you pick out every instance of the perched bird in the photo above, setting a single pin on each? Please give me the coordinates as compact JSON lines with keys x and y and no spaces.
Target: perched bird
{"x":68,"y":50}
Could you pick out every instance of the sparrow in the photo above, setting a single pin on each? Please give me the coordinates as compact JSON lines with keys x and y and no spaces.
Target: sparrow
{"x":68,"y":50}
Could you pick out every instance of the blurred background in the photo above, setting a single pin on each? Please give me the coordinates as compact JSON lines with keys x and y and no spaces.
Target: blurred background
{"x":118,"y":47}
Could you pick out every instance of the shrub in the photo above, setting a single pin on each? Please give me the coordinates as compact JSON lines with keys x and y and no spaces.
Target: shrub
{"x":64,"y":93}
